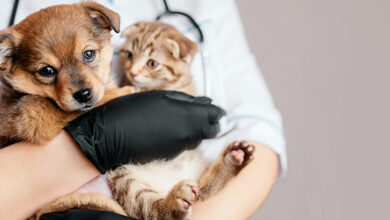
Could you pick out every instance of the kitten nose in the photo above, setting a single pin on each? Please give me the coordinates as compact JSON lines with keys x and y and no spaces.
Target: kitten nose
{"x":132,"y":74}
{"x":83,"y":95}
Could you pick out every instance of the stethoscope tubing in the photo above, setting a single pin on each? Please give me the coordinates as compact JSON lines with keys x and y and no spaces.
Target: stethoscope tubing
{"x":203,"y":52}
{"x":13,"y":13}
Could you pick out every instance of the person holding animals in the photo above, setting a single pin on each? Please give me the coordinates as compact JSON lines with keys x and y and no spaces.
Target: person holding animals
{"x":258,"y":177}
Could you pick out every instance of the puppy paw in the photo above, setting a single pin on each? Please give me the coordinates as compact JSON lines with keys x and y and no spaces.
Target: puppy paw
{"x":239,"y":153}
{"x":183,"y":196}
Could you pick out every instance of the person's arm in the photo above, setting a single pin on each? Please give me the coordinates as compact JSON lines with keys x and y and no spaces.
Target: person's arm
{"x":32,"y":175}
{"x":125,"y":130}
{"x":244,"y":194}
{"x":250,"y":112}
{"x":238,"y":200}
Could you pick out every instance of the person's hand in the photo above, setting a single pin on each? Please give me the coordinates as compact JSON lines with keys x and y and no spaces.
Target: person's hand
{"x":144,"y":126}
{"x":81,"y":214}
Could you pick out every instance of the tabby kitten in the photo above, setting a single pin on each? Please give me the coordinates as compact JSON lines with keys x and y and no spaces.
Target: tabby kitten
{"x":157,"y":56}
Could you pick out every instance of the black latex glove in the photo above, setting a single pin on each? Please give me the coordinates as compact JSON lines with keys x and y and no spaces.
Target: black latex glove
{"x":144,"y":126}
{"x":80,"y":214}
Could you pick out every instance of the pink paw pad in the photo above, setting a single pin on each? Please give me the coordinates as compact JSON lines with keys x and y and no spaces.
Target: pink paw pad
{"x":194,"y":191}
{"x":186,"y":204}
{"x":241,"y":152}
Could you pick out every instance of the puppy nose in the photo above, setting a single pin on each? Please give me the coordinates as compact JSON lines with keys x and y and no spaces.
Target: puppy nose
{"x":83,"y":95}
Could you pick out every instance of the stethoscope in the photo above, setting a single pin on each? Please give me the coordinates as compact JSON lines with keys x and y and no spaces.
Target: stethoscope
{"x":202,"y":48}
{"x":168,"y":12}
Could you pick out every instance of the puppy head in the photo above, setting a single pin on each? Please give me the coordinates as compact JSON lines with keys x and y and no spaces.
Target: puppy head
{"x":156,"y":55}
{"x":62,"y":53}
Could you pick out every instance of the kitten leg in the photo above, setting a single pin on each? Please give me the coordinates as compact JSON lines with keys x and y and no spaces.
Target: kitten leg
{"x":142,"y":202}
{"x":116,"y":92}
{"x":92,"y":201}
{"x":177,"y":205}
{"x":136,"y":197}
{"x":235,"y":157}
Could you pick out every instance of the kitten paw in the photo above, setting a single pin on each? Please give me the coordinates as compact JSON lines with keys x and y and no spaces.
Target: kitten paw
{"x":184,"y":194}
{"x":126,"y":90}
{"x":240,"y":153}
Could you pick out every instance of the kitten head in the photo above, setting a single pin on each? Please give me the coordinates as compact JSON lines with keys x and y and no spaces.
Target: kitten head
{"x":156,"y":55}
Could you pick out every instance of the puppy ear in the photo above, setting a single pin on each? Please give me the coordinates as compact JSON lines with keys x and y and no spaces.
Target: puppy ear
{"x":182,"y":48}
{"x":102,"y":16}
{"x":133,"y":29}
{"x":6,"y":50}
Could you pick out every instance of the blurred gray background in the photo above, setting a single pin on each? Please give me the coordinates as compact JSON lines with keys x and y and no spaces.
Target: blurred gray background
{"x":327,"y":66}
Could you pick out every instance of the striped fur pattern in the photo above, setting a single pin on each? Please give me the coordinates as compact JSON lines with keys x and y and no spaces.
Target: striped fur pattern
{"x":166,"y":190}
{"x":157,"y":56}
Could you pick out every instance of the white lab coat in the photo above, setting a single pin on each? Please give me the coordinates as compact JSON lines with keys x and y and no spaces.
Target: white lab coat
{"x":236,"y":81}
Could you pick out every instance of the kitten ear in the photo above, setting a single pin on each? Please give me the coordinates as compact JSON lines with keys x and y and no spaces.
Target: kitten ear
{"x":182,"y":48}
{"x":129,"y":31}
{"x":133,"y":29}
{"x":102,"y":16}
{"x":173,"y":46}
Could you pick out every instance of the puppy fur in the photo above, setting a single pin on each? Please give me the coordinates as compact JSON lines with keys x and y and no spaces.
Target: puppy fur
{"x":35,"y":104}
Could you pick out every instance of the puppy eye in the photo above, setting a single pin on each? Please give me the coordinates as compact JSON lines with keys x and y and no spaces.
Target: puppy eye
{"x":47,"y":71}
{"x":152,"y":64}
{"x":89,"y":56}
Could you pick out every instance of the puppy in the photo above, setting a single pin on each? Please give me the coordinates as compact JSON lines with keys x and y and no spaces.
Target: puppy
{"x":54,"y":65}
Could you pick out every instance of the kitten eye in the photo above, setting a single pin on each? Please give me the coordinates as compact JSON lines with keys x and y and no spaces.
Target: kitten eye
{"x":127,"y":54}
{"x":152,"y":64}
{"x":47,"y":71}
{"x":89,"y":55}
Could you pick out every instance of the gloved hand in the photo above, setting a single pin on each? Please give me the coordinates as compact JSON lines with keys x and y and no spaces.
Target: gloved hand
{"x":81,"y":214}
{"x":144,"y":126}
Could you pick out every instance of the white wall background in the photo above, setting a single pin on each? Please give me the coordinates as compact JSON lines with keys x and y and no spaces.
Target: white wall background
{"x":327,"y":65}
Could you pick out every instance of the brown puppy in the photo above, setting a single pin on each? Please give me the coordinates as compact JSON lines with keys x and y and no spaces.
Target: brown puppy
{"x":54,"y":65}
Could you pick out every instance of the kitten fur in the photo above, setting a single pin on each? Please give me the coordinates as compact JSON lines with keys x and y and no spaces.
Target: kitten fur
{"x":157,"y":56}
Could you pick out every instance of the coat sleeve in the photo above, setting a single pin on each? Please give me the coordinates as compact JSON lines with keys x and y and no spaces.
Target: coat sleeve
{"x":250,"y":109}
{"x":5,"y":14}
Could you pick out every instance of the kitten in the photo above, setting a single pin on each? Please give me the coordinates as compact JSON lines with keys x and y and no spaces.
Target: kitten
{"x":157,"y":56}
